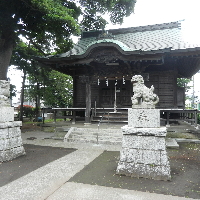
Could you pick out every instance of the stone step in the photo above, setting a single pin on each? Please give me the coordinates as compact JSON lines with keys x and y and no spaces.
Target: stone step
{"x":105,"y":136}
{"x":89,"y":135}
{"x":172,"y":143}
{"x":100,"y":141}
{"x":100,"y":131}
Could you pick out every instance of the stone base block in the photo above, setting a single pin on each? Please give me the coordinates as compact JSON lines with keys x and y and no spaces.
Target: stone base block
{"x":144,"y":118}
{"x":138,"y":170}
{"x":144,"y":153}
{"x":6,"y":114}
{"x":10,"y":141}
{"x":12,"y":153}
{"x":161,"y":131}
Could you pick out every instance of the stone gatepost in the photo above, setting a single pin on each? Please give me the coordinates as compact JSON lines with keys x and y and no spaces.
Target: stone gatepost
{"x":143,"y":151}
{"x":10,"y":133}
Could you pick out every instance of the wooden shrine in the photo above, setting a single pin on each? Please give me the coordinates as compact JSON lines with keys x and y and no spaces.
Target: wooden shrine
{"x":103,"y":62}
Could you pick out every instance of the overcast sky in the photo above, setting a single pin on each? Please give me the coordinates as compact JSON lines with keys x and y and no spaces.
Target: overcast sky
{"x":148,"y":12}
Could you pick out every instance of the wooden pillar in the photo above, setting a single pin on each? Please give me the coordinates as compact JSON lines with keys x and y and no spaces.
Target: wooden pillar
{"x":88,"y":102}
{"x":86,"y":80}
{"x":195,"y":118}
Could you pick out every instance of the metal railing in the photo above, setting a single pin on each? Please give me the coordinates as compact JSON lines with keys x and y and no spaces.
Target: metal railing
{"x":99,"y":126}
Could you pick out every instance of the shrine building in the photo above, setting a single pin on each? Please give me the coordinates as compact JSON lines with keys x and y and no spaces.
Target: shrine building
{"x":103,"y":62}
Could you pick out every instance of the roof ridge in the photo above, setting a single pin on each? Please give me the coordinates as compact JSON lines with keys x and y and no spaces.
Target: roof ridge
{"x":176,"y":24}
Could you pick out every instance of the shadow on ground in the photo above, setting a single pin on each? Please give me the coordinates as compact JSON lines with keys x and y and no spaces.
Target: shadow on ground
{"x":185,"y":170}
{"x":36,"y":157}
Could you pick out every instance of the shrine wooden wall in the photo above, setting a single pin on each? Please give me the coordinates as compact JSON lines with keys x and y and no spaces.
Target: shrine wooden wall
{"x":165,"y":84}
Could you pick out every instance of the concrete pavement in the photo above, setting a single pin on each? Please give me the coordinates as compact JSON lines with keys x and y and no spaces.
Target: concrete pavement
{"x":50,"y":181}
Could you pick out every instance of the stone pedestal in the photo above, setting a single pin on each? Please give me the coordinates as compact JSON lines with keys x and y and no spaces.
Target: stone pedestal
{"x":143,"y":151}
{"x":10,"y":133}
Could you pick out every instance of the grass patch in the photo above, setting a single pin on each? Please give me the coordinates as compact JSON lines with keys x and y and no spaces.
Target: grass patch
{"x":181,"y":135}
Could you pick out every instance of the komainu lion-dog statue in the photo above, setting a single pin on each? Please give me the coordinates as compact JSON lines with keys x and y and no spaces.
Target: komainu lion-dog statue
{"x":143,"y":96}
{"x":4,"y":93}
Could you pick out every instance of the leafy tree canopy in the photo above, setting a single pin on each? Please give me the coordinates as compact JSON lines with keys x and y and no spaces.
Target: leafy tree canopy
{"x":56,"y":90}
{"x":50,"y":23}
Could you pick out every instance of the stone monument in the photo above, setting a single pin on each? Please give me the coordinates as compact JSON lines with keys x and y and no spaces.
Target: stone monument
{"x":10,"y":134}
{"x":143,"y":151}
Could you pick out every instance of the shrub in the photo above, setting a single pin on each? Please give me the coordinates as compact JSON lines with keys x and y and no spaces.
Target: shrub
{"x":28,"y":111}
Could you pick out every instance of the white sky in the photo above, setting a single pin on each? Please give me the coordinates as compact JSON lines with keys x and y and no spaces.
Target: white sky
{"x":148,"y":12}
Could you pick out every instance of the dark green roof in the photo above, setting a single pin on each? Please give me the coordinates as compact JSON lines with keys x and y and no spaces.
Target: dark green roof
{"x":159,"y":37}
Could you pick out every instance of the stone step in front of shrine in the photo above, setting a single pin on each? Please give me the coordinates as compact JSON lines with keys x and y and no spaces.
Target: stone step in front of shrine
{"x":90,"y":135}
{"x":105,"y":136}
{"x":111,"y":117}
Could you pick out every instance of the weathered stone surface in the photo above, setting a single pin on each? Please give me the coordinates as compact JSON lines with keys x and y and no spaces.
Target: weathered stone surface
{"x":140,"y":142}
{"x":4,"y":133}
{"x":10,"y":124}
{"x":146,"y":157}
{"x":143,"y":97}
{"x":14,"y":132}
{"x":4,"y":93}
{"x":146,"y":171}
{"x":144,"y":153}
{"x":10,"y":134}
{"x":126,"y":130}
{"x":143,"y":118}
{"x":6,"y":114}
{"x":12,"y":153}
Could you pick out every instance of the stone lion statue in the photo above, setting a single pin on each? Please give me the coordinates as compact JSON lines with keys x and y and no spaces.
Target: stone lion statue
{"x":143,"y":97}
{"x":4,"y":93}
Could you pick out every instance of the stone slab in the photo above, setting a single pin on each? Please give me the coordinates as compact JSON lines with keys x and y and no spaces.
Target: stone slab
{"x":144,"y":118}
{"x":82,"y":191}
{"x":10,"y":154}
{"x":141,"y":142}
{"x":138,"y":170}
{"x":144,"y":153}
{"x":6,"y":114}
{"x":172,"y":143}
{"x":41,"y":183}
{"x":11,"y":145}
{"x":161,"y":131}
{"x":10,"y":124}
{"x":146,"y":157}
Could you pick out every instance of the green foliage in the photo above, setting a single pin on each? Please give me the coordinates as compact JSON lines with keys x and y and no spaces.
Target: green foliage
{"x":28,"y":111}
{"x":58,"y":91}
{"x":50,"y":23}
{"x":92,"y":12}
{"x":54,"y":88}
{"x":40,"y":21}
{"x":183,"y":82}
{"x":12,"y":91}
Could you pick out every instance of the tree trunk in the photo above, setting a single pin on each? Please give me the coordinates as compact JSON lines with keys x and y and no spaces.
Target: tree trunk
{"x":37,"y":105}
{"x":6,"y":48}
{"x":22,"y":97}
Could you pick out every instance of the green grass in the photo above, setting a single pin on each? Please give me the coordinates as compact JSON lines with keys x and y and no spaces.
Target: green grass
{"x":46,"y":121}
{"x":181,"y":135}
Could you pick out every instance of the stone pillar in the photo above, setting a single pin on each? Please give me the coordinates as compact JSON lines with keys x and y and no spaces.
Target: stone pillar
{"x":10,"y":134}
{"x":143,"y":151}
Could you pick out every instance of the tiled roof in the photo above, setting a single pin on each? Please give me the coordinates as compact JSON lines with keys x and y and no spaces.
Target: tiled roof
{"x":144,"y":39}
